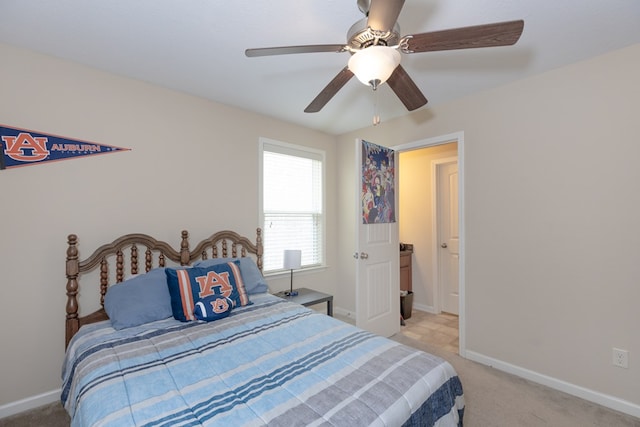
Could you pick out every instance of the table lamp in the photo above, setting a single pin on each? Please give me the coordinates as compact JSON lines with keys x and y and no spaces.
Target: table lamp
{"x":292,"y":261}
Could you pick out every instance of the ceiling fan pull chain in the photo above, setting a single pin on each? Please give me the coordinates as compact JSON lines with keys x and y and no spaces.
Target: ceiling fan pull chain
{"x":376,"y":113}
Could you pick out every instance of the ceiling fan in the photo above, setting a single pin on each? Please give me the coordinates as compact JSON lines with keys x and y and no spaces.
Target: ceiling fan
{"x":375,"y":43}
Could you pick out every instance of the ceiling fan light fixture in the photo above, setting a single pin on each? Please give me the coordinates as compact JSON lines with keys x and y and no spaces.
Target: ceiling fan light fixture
{"x":374,"y":64}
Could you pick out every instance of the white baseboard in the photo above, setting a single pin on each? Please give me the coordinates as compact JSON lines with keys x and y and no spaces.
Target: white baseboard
{"x":611,"y":402}
{"x":425,"y":308}
{"x":29,"y":403}
{"x":352,"y":315}
{"x":343,"y":312}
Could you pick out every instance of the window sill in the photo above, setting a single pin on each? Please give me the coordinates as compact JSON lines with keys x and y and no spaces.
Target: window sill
{"x":287,"y":273}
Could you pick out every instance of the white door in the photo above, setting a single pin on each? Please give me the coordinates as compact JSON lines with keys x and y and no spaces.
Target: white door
{"x":448,"y":235}
{"x":377,"y":254}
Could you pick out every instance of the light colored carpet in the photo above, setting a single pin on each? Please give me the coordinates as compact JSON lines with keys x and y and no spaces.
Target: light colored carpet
{"x":52,"y":415}
{"x":493,"y":399}
{"x":496,"y":399}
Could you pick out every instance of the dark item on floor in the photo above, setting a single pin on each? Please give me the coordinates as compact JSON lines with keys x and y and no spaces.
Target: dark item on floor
{"x":406,"y":303}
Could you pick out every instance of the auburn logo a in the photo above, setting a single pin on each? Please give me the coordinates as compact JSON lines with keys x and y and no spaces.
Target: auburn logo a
{"x":214,"y":284}
{"x":26,"y":148}
{"x":220,"y":305}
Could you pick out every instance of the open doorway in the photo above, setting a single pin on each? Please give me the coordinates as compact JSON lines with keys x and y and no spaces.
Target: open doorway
{"x":436,"y":265}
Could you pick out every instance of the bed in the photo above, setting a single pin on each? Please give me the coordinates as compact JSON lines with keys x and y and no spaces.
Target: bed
{"x":248,"y":358}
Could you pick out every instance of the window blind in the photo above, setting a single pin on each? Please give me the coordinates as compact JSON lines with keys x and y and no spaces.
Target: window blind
{"x":292,"y":199}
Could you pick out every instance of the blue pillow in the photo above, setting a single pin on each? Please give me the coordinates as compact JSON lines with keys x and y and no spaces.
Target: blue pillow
{"x":254,"y":282}
{"x":213,"y":308}
{"x":188,"y":286}
{"x":141,"y":299}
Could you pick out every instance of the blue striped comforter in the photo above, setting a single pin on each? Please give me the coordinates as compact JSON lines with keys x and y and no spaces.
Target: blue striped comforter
{"x":271,"y":363}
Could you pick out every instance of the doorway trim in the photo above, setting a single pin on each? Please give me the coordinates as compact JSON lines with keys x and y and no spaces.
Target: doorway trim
{"x":457,"y":137}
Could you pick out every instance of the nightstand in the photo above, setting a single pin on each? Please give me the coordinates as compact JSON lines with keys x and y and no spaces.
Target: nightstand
{"x":309,"y":297}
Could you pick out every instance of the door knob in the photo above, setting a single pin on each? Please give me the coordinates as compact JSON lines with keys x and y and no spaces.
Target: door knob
{"x":443,"y":246}
{"x":355,"y":255}
{"x":364,"y":255}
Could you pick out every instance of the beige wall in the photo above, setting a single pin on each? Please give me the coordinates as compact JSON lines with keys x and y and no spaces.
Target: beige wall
{"x":551,"y":205}
{"x":193,"y":165}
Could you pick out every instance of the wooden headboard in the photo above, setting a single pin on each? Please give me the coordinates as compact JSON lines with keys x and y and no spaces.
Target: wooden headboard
{"x":138,"y":253}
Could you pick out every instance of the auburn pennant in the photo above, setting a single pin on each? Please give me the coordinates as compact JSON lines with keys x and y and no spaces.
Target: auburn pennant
{"x":22,"y":147}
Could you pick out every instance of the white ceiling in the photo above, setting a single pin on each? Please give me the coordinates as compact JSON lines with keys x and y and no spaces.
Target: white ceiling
{"x":197,"y":46}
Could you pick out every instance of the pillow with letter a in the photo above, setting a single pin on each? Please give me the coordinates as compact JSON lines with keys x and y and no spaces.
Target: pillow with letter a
{"x":190,"y":285}
{"x":213,"y":308}
{"x":253,"y":280}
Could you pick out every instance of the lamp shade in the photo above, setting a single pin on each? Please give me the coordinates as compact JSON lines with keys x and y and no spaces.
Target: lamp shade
{"x":292,"y":259}
{"x":375,"y":64}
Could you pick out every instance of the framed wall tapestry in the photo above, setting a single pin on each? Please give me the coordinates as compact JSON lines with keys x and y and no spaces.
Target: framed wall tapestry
{"x":378,"y":184}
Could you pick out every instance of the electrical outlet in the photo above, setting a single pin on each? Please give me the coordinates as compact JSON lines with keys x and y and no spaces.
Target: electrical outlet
{"x":620,"y":358}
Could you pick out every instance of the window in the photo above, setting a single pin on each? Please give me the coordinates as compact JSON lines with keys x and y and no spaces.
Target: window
{"x":292,"y":197}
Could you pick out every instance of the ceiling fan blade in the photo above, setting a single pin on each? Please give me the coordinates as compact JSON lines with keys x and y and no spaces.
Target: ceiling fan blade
{"x":285,"y":50}
{"x":383,"y":14}
{"x":329,"y":91}
{"x":406,"y":89}
{"x":487,"y":35}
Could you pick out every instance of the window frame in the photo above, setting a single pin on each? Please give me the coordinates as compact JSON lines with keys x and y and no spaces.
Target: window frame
{"x":299,"y":151}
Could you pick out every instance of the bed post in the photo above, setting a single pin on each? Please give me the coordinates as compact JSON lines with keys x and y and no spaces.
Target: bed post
{"x":259,"y":248}
{"x":72,"y":268}
{"x":185,"y":257}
